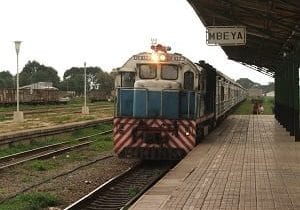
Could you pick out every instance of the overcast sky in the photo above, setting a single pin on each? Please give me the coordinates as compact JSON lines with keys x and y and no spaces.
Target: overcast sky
{"x":105,"y":33}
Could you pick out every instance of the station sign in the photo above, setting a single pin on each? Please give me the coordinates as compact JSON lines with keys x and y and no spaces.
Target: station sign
{"x":226,"y":35}
{"x":168,"y":58}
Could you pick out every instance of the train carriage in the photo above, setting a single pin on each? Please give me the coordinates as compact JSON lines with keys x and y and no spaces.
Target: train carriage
{"x":31,"y":96}
{"x":165,"y":104}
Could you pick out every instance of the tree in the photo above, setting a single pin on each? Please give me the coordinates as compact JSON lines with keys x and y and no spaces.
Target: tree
{"x":73,"y":79}
{"x":247,"y":83}
{"x":105,"y":82}
{"x":6,"y":80}
{"x":34,"y":72}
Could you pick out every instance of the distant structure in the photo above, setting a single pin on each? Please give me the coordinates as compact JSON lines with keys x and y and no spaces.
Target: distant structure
{"x":271,"y":93}
{"x":255,"y":92}
{"x":40,"y":86}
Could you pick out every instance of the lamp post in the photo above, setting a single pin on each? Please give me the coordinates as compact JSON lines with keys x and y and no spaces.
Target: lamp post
{"x":85,"y":109}
{"x":18,"y":116}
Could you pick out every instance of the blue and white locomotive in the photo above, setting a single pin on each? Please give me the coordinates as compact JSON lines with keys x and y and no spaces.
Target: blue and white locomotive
{"x":165,"y":104}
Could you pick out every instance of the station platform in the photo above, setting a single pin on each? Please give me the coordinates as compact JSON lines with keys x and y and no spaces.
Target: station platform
{"x":248,"y":162}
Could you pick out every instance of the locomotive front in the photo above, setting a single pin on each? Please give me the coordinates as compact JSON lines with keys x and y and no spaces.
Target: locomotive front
{"x":155,"y":106}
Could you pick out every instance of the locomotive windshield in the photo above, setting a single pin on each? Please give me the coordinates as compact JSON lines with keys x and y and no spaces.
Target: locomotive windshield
{"x":169,"y":72}
{"x":147,"y":71}
{"x":127,"y":79}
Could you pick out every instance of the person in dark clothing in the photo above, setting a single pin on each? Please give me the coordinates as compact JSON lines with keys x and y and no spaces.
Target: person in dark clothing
{"x":255,"y":109}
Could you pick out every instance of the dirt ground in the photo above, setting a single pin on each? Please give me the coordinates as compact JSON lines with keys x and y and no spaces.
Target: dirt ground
{"x":70,"y":187}
{"x":49,"y":119}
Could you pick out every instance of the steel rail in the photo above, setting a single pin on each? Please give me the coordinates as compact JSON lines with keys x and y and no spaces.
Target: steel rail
{"x":124,"y":189}
{"x":57,"y":176}
{"x":37,"y":133}
{"x":38,"y":153}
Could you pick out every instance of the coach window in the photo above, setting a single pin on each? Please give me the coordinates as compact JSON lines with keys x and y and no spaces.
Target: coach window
{"x":188,"y":80}
{"x":169,"y":72}
{"x":127,"y":79}
{"x":147,"y":71}
{"x":222,"y":93}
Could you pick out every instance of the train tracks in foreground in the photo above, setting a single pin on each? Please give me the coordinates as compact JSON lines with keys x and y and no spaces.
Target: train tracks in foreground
{"x":121,"y":191}
{"x":17,"y":137}
{"x":47,"y":151}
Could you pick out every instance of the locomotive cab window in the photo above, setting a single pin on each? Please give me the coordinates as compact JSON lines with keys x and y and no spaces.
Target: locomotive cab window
{"x":169,"y":72}
{"x":127,"y":79}
{"x":188,"y":80}
{"x":147,"y":71}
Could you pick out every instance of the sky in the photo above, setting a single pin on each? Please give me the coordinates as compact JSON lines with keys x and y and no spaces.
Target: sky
{"x":105,"y":33}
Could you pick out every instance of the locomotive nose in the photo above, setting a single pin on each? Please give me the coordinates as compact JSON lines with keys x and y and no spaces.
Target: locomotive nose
{"x":157,"y":85}
{"x":156,"y":98}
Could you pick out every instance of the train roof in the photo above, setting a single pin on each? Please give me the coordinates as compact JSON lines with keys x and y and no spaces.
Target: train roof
{"x":205,"y":65}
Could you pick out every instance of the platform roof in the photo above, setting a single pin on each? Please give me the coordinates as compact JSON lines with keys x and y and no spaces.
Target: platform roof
{"x":273,"y":27}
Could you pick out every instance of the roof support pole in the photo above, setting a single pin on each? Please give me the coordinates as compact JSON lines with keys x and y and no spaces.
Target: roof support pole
{"x":296,"y":65}
{"x":292,"y":97}
{"x":278,"y":81}
{"x":287,"y":102}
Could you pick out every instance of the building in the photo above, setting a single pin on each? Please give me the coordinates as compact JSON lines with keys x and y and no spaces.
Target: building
{"x":255,"y":92}
{"x":271,"y":93}
{"x":40,"y":85}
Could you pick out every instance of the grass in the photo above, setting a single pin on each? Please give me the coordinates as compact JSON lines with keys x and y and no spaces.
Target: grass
{"x":2,"y":117}
{"x":23,"y":147}
{"x":55,"y":139}
{"x":77,"y":101}
{"x":246,"y":107}
{"x":60,"y":119}
{"x":43,"y":165}
{"x":133,"y":191}
{"x":32,"y":201}
{"x":103,"y":143}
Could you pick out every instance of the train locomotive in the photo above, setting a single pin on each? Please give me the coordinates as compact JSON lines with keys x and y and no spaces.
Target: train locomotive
{"x":165,"y":104}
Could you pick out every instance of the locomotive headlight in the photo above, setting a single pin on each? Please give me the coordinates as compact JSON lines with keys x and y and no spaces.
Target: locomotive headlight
{"x":155,"y":57}
{"x":187,"y":131}
{"x":162,"y":57}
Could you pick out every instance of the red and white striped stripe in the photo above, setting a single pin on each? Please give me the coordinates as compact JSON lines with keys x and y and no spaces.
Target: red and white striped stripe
{"x":124,"y":138}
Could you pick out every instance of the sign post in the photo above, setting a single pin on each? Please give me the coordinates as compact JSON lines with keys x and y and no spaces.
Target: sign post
{"x":226,"y":35}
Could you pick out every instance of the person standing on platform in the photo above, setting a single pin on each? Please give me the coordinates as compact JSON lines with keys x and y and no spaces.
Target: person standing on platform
{"x":261,"y":109}
{"x":255,"y":109}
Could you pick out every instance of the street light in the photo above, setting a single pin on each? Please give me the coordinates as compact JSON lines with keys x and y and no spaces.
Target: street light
{"x":85,"y":109}
{"x":18,"y":116}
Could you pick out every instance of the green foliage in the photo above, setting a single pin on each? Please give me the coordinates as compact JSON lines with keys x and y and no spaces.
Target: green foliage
{"x":23,"y":147}
{"x":246,"y":107}
{"x":268,"y":105}
{"x":32,"y":201}
{"x":34,"y":72}
{"x":133,"y":191}
{"x":74,"y":79}
{"x":247,"y":83}
{"x":2,"y":117}
{"x":55,"y":139}
{"x":6,"y":80}
{"x":104,"y":143}
{"x":43,"y":165}
{"x":96,"y":79}
{"x":105,"y":81}
{"x":60,"y":119}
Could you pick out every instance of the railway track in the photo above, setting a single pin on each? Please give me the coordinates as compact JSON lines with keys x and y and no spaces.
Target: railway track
{"x":55,"y":130}
{"x":121,"y":191}
{"x":26,"y":189}
{"x":53,"y":110}
{"x":46,"y":151}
